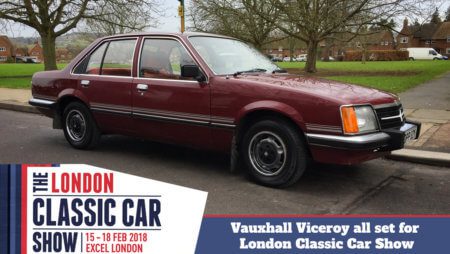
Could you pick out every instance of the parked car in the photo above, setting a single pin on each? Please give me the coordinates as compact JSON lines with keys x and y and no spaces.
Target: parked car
{"x":277,"y":59}
{"x":26,"y":59}
{"x":330,"y":58}
{"x":302,"y":58}
{"x":218,"y":93}
{"x":288,"y":59}
{"x":424,"y":54}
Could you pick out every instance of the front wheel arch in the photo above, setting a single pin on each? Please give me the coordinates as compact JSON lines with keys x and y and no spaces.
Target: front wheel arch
{"x":278,"y":136}
{"x":258,"y":115}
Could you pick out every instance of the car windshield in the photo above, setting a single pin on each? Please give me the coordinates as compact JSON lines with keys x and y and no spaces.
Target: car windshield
{"x":227,"y":56}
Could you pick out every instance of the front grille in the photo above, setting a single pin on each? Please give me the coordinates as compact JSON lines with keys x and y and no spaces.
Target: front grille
{"x":390,"y":116}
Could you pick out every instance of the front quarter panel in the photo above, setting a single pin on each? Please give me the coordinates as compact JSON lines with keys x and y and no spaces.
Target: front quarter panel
{"x":235,"y":98}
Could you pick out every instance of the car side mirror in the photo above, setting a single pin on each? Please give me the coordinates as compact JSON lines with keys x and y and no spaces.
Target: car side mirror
{"x":192,"y":71}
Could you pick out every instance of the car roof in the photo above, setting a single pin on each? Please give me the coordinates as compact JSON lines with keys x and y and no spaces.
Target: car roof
{"x":177,"y":34}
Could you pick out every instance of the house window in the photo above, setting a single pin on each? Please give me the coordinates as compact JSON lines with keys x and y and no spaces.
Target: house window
{"x":448,"y":38}
{"x":448,"y":50}
{"x":433,"y":42}
{"x":2,"y":49}
{"x":382,"y":43}
{"x":427,"y":42}
{"x":404,"y":40}
{"x":3,"y":58}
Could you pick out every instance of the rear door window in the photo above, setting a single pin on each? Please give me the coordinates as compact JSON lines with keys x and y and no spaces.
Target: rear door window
{"x":118,"y":60}
{"x":113,"y":58}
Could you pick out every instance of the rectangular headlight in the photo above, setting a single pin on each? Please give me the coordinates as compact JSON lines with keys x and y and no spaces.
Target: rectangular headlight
{"x":358,"y":119}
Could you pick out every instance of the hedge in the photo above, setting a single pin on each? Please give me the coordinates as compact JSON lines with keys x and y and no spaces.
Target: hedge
{"x":377,"y":55}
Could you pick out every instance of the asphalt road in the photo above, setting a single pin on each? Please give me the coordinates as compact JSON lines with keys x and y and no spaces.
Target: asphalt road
{"x":378,"y":186}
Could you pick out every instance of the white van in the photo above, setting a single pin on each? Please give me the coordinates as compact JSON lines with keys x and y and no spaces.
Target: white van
{"x":423,"y":54}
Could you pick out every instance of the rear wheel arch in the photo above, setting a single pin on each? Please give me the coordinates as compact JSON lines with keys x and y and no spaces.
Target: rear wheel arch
{"x":61,"y":105}
{"x":79,"y":126}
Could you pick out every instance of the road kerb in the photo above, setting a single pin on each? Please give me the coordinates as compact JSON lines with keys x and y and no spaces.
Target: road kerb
{"x":18,"y":107}
{"x":422,"y":157}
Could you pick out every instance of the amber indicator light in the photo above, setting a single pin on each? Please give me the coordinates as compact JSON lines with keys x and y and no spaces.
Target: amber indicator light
{"x":349,"y":120}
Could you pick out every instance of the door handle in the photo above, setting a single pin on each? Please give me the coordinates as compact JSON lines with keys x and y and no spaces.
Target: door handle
{"x":142,"y":87}
{"x":85,"y":83}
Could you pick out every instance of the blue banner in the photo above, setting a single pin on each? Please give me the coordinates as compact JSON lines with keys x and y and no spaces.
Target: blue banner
{"x":326,"y":234}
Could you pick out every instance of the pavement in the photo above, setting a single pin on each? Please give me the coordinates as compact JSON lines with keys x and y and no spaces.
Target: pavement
{"x":428,"y":103}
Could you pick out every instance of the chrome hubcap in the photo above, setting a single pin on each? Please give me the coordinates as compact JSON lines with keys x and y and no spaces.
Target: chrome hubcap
{"x":75,"y":125}
{"x":267,"y":153}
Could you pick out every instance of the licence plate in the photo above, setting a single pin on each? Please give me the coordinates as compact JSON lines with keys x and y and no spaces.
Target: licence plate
{"x":411,"y":134}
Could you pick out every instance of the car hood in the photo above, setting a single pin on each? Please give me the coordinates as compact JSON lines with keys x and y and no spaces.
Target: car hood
{"x":342,"y":93}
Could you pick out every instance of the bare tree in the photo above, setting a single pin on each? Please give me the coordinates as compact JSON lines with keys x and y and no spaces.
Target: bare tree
{"x":447,"y":14}
{"x":3,"y":26}
{"x":316,"y":20}
{"x":123,"y":16}
{"x":236,"y":18}
{"x":53,"y":18}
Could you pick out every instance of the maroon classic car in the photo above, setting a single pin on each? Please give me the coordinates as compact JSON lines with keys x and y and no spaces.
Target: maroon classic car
{"x":215,"y":92}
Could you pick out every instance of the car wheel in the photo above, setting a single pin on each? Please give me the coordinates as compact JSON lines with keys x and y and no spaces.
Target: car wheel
{"x":274,"y":153}
{"x":80,"y":128}
{"x":411,"y":58}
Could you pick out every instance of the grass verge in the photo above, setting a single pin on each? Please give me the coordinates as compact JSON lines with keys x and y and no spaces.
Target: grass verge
{"x":395,"y":77}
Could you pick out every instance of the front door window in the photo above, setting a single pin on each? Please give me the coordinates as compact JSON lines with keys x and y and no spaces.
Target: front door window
{"x":163,"y":58}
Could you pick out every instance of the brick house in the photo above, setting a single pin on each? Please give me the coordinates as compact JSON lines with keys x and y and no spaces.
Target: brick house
{"x":442,"y":38}
{"x":21,"y":51}
{"x":36,"y":51}
{"x":374,"y":40}
{"x":6,"y":49}
{"x":428,"y":35}
{"x":284,"y":47}
{"x":381,"y":39}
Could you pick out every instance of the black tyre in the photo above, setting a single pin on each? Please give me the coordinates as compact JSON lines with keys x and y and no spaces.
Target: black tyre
{"x":79,"y":126}
{"x":274,"y":153}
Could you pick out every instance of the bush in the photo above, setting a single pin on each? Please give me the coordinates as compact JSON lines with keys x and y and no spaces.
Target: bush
{"x":377,"y":55}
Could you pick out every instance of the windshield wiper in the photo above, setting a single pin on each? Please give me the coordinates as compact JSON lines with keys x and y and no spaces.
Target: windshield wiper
{"x":279,"y":71}
{"x":249,"y":71}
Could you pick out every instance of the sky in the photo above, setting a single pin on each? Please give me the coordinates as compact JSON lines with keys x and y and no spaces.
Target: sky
{"x":169,"y":23}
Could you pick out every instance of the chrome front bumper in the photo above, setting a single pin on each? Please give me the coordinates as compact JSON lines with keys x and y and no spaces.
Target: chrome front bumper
{"x":387,"y":139}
